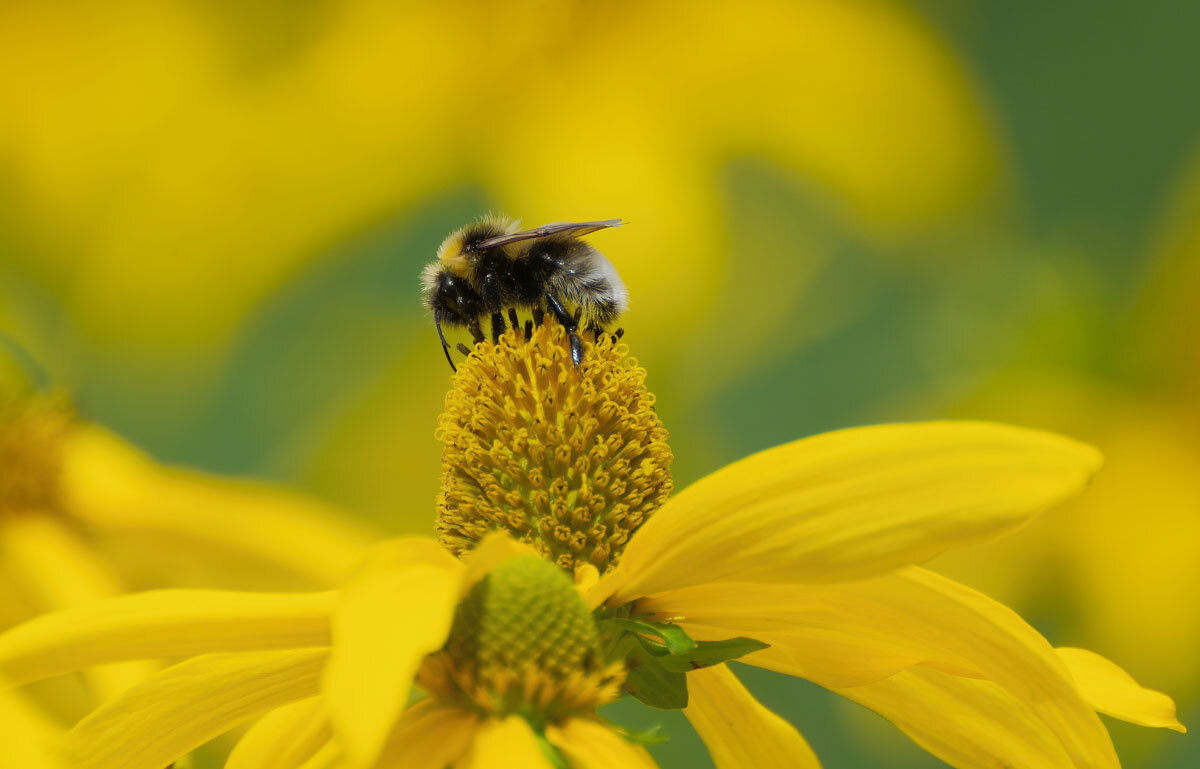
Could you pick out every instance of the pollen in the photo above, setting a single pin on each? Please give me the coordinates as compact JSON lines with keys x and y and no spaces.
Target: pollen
{"x":571,"y":460}
{"x":31,"y":432}
{"x":523,"y":641}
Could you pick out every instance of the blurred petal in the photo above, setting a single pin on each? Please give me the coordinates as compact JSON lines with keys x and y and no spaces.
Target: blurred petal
{"x":589,"y":744}
{"x":162,"y":623}
{"x":52,"y":563}
{"x":505,"y":743}
{"x":285,"y":738}
{"x":853,"y":503}
{"x":910,"y":617}
{"x":330,"y":756}
{"x":738,"y":730}
{"x":968,"y":723}
{"x":59,"y":570}
{"x":187,"y":705}
{"x":429,"y":737}
{"x":494,"y":549}
{"x":1111,"y":690}
{"x":111,"y":485}
{"x":385,"y":622}
{"x":403,"y":552}
{"x":27,"y":736}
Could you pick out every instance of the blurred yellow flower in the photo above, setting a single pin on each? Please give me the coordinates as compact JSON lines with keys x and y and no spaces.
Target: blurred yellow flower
{"x":69,"y":490}
{"x":798,"y":559}
{"x":161,"y":154}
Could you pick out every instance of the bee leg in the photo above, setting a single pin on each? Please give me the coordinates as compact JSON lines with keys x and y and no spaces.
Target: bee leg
{"x":476,"y":331}
{"x":437,"y":322}
{"x":538,"y":315}
{"x":528,"y":330}
{"x":514,"y":320}
{"x":570,"y":324}
{"x":559,"y":312}
{"x":464,"y":349}
{"x":497,"y":327}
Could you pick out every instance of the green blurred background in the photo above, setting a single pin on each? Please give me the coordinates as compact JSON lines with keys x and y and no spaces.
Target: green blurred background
{"x":213,"y":215}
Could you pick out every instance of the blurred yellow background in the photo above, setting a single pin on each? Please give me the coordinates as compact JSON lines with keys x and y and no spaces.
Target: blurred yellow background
{"x":213,"y":216}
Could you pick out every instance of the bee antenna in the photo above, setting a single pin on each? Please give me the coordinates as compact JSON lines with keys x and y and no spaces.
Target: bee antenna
{"x":437,"y":322}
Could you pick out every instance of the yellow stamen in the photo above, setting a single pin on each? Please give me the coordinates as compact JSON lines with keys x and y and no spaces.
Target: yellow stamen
{"x":571,"y":460}
{"x":31,"y":431}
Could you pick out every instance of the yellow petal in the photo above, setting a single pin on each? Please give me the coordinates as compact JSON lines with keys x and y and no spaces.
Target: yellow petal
{"x":505,"y":743}
{"x":162,"y":623}
{"x":588,"y":744}
{"x":385,"y":622}
{"x":587,"y":577}
{"x":429,"y":737}
{"x":853,"y":503}
{"x":111,"y":485}
{"x":968,"y":723}
{"x":1111,"y":690}
{"x":28,"y":737}
{"x":738,"y":730}
{"x":285,"y":738}
{"x":834,"y":633}
{"x":187,"y":705}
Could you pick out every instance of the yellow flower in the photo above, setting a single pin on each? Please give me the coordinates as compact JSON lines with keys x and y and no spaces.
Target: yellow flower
{"x":799,"y":559}
{"x":808,"y":547}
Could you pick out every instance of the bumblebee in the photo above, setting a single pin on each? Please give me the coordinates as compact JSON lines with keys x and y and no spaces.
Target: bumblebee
{"x":492,"y":266}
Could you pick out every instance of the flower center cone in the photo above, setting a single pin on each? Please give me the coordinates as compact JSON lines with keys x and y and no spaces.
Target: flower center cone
{"x":571,"y":460}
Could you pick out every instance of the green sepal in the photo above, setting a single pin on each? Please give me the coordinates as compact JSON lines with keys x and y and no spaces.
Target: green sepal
{"x":654,"y":685}
{"x":657,"y":669}
{"x":708,"y":653}
{"x":676,"y":641}
{"x":649,"y":682}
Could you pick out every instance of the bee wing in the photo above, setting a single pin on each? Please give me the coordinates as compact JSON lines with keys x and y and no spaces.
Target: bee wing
{"x":554,"y":228}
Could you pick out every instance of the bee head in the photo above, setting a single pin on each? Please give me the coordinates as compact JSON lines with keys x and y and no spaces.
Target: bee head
{"x":457,"y":252}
